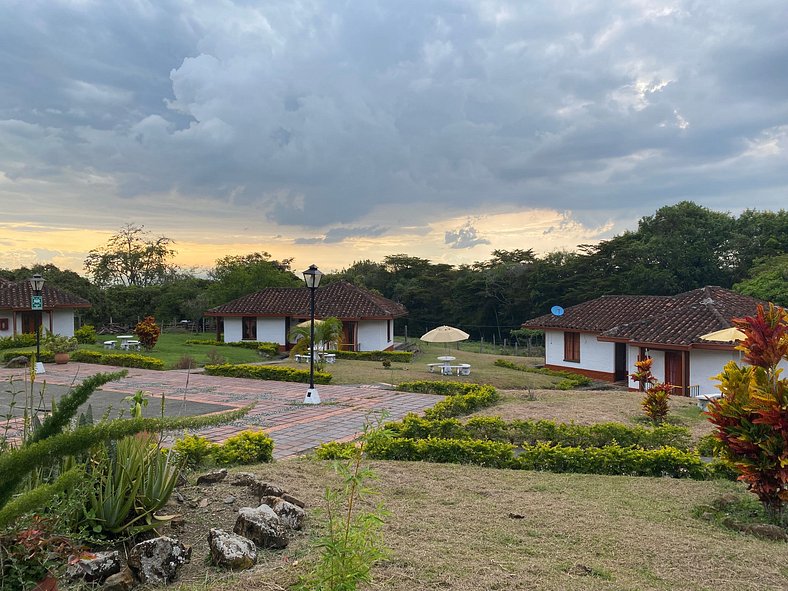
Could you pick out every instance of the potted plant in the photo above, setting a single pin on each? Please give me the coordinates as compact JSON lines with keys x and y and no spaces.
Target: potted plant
{"x":61,"y":346}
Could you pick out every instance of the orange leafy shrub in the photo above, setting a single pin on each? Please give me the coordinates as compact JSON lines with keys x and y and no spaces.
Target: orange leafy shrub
{"x":147,"y":332}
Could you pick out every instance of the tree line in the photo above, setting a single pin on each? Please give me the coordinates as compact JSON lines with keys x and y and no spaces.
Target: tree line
{"x":678,"y":248}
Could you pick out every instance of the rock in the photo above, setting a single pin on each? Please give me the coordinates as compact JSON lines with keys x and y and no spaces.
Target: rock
{"x":516,"y":516}
{"x":203,"y":503}
{"x":767,"y":531}
{"x":229,"y":500}
{"x":122,"y":581}
{"x":262,"y":526}
{"x":212,"y":477}
{"x":182,"y":480}
{"x":243,"y":479}
{"x":290,"y":515}
{"x":95,"y":569}
{"x":295,"y":501}
{"x":265,"y":489}
{"x":177,"y":521}
{"x":20,"y":361}
{"x":157,"y":561}
{"x":179,"y":498}
{"x":725,"y":500}
{"x":230,"y":550}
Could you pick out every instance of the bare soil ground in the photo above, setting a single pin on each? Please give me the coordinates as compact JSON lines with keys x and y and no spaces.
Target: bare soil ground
{"x":450,"y":528}
{"x":591,"y":406}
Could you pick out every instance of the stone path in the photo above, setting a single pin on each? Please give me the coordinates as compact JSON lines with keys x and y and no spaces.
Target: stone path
{"x":279,"y":410}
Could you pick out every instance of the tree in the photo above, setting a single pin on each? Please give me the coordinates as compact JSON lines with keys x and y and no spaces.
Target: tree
{"x":238,"y":275}
{"x":768,"y":281}
{"x":327,"y":332}
{"x":132,"y":258}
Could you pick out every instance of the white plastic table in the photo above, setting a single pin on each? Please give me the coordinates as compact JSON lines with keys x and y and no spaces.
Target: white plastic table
{"x":124,"y":339}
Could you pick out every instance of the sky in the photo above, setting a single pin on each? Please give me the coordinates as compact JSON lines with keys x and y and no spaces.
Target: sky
{"x":333,"y":132}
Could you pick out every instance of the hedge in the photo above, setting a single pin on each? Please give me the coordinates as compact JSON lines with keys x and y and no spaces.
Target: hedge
{"x":440,"y":388}
{"x":117,"y":359}
{"x":609,"y":460}
{"x":268,"y":348}
{"x":395,"y":356}
{"x":570,"y":380}
{"x":266,"y":372}
{"x":461,"y":398}
{"x":45,"y":357}
{"x":519,"y":432}
{"x":19,"y":341}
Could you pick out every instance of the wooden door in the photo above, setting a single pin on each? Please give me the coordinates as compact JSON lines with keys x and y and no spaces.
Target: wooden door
{"x":674,"y":371}
{"x":28,"y":321}
{"x":349,"y":336}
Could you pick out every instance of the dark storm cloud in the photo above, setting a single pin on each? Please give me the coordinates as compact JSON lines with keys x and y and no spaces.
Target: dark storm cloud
{"x":316,"y":113}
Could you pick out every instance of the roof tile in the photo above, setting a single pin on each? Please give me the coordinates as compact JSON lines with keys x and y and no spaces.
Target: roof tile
{"x":16,"y":296}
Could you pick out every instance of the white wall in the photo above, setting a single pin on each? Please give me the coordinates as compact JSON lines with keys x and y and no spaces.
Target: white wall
{"x":9,"y":316}
{"x":232,"y":329}
{"x":271,"y":330}
{"x":594,"y":355}
{"x":63,"y":322}
{"x":705,"y":364}
{"x":372,"y":335}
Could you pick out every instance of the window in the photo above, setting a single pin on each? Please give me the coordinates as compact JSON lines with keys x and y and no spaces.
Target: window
{"x":572,"y":346}
{"x":249,"y":328}
{"x":388,"y":331}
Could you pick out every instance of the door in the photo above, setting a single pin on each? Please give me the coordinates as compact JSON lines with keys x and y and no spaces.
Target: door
{"x":349,"y":336}
{"x":28,"y":321}
{"x":621,"y":362}
{"x":674,"y":371}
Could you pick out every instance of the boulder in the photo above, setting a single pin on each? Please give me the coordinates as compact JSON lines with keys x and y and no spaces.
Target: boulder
{"x":212,"y":477}
{"x":767,"y":531}
{"x":229,"y":550}
{"x":122,"y":581}
{"x":157,"y":561}
{"x":295,"y":501}
{"x":243,"y":479}
{"x":96,"y":568}
{"x":290,"y":515}
{"x":262,"y":526}
{"x":265,"y":489}
{"x":20,"y":361}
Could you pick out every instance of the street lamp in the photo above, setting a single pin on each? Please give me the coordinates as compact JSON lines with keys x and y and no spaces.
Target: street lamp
{"x":37,"y":305}
{"x":312,"y":279}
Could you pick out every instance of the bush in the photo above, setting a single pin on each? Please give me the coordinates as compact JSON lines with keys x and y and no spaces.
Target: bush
{"x":334,"y":450}
{"x":265,"y":347}
{"x":709,"y":446}
{"x":570,"y":380}
{"x":452,"y":451}
{"x":185,"y":362}
{"x":248,"y":447}
{"x":655,"y":402}
{"x":194,"y":449}
{"x":21,"y":340}
{"x":395,"y":356}
{"x":440,"y":388}
{"x":45,"y":357}
{"x":86,"y":335}
{"x":118,"y":359}
{"x":147,"y":332}
{"x":266,"y":372}
{"x":215,"y":358}
{"x":269,"y":349}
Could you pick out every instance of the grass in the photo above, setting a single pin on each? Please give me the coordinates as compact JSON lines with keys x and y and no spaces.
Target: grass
{"x":450,"y":528}
{"x":172,"y":346}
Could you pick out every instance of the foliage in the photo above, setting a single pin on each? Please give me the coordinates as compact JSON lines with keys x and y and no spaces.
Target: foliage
{"x":709,"y":446}
{"x":247,"y":447}
{"x":768,"y":281}
{"x":655,"y":403}
{"x":266,"y":372}
{"x":395,"y":356}
{"x":643,"y":375}
{"x":752,"y":416}
{"x":234,"y":276}
{"x":118,"y":359}
{"x":195,"y":450}
{"x":265,"y":347}
{"x":20,"y":340}
{"x":147,"y":332}
{"x":189,"y":362}
{"x":461,"y":399}
{"x":57,"y":343}
{"x":569,"y":382}
{"x":131,"y":258}
{"x":353,"y":542}
{"x":86,"y":334}
{"x":521,"y":432}
{"x":334,"y":450}
{"x":492,"y":454}
{"x":441,"y":388}
{"x":214,"y":358}
{"x":328,"y":332}
{"x":45,"y":357}
{"x":268,"y":349}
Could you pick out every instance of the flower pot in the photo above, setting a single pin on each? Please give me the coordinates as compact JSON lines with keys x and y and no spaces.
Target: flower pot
{"x":61,"y":358}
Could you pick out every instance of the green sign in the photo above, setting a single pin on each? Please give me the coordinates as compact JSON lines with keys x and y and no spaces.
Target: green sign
{"x":36,"y":302}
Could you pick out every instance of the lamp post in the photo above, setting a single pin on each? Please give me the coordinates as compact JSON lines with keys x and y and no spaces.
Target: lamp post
{"x":312,"y":279}
{"x":37,"y":305}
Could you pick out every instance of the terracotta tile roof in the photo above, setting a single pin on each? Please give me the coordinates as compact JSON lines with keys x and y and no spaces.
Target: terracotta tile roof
{"x":340,"y":299}
{"x":670,"y":320}
{"x":16,"y":296}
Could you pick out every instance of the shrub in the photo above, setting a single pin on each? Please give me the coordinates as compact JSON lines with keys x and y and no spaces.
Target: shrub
{"x":395,"y":356}
{"x":453,"y":451}
{"x":86,"y":335}
{"x":147,"y":332}
{"x":195,"y":450}
{"x":334,"y":450}
{"x":248,"y":447}
{"x":215,"y":358}
{"x":117,"y":359}
{"x":655,"y":402}
{"x":440,"y":388}
{"x":45,"y":357}
{"x":463,"y":404}
{"x":185,"y":362}
{"x":59,"y":343}
{"x":21,"y":340}
{"x":751,"y":418}
{"x":570,"y":380}
{"x":266,"y":372}
{"x":709,"y":446}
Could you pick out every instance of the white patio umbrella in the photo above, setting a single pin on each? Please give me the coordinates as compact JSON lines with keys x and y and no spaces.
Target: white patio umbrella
{"x":305,"y":323}
{"x":726,"y":335}
{"x":444,"y":334}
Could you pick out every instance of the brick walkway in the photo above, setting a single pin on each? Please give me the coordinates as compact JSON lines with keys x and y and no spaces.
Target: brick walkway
{"x":295,"y":427}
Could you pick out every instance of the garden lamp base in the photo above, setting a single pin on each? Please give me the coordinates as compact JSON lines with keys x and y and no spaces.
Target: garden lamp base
{"x":40,"y":367}
{"x":312,"y":397}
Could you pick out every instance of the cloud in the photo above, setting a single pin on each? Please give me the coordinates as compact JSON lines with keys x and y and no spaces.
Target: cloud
{"x":464,"y":237}
{"x":335,"y":235}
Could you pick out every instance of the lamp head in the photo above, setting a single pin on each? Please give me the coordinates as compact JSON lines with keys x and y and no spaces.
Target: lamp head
{"x":312,"y":277}
{"x":37,"y":282}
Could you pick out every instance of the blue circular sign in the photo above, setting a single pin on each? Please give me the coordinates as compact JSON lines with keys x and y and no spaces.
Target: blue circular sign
{"x":557,"y":311}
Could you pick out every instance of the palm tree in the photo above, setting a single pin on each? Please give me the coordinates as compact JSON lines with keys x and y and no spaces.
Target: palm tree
{"x":327,"y":332}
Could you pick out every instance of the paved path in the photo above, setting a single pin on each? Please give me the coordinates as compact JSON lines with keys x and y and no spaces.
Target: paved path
{"x":295,"y":427}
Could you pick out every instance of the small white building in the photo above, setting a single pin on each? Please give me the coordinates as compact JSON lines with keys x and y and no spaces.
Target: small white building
{"x":271,"y":314}
{"x":17,"y":317}
{"x":603,"y":338}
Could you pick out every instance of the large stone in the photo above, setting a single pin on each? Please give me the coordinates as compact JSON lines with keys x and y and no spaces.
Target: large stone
{"x":767,"y":531}
{"x":295,"y":501}
{"x":20,"y":361}
{"x":262,"y":526}
{"x":157,"y":561}
{"x":266,"y":489}
{"x":229,"y":550}
{"x":122,"y":581}
{"x":290,"y":515}
{"x":243,"y":479}
{"x":212,"y":477}
{"x":96,"y":568}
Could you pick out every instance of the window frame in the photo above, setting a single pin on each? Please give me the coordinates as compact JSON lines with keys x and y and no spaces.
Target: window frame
{"x":572,"y":347}
{"x":252,"y":325}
